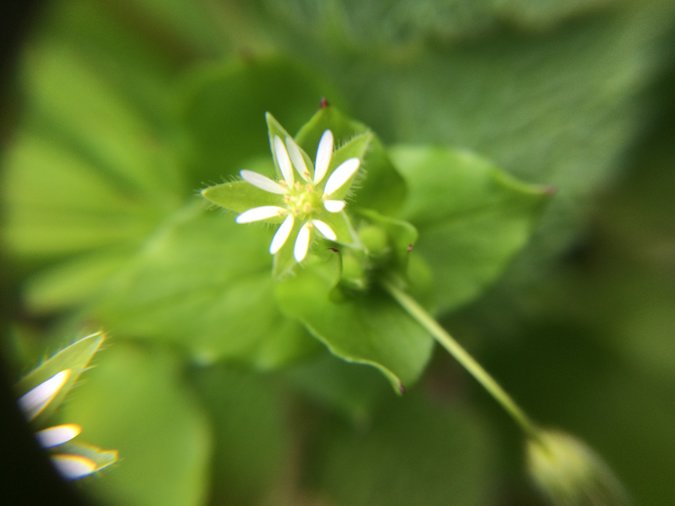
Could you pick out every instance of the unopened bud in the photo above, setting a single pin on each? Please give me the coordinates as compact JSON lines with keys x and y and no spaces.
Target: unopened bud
{"x":569,"y":473}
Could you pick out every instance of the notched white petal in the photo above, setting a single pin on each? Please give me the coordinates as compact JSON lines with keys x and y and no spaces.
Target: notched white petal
{"x":324,"y":153}
{"x":35,"y":400}
{"x":73,"y":466}
{"x":57,"y":435}
{"x":325,"y":229}
{"x":260,"y":213}
{"x":334,"y":206}
{"x":262,"y":182}
{"x":341,"y":175}
{"x":297,"y":159}
{"x":302,"y":243}
{"x":282,"y":234}
{"x":283,"y":160}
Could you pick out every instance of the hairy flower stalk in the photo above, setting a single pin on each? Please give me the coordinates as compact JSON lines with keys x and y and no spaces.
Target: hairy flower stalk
{"x":303,"y":202}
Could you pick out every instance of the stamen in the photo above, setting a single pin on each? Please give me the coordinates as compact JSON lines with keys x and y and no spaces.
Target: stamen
{"x":262,"y":182}
{"x":341,"y":175}
{"x":260,"y":213}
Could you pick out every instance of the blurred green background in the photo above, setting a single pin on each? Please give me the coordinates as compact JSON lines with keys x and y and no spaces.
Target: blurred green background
{"x":577,"y":94}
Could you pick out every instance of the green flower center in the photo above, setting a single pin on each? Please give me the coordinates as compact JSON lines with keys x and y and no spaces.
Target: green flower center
{"x":303,"y":200}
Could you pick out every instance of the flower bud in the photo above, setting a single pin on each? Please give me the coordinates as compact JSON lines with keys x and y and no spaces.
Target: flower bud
{"x":569,"y":473}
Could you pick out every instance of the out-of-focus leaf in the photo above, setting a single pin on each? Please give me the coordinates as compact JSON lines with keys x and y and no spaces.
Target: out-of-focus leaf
{"x":74,"y":359}
{"x":415,"y":452}
{"x":349,"y":389}
{"x":390,"y":28}
{"x":88,"y":176}
{"x":224,"y":107}
{"x":135,"y":401}
{"x":471,"y":217}
{"x":204,"y":282}
{"x":248,"y":423}
{"x":366,"y":328}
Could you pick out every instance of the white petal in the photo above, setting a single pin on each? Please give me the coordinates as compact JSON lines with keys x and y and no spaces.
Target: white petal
{"x":282,"y":234}
{"x":57,"y":435}
{"x":323,"y":155}
{"x":262,"y":182}
{"x":283,"y":161}
{"x":334,"y":206}
{"x":297,"y":159}
{"x":34,"y":401}
{"x":260,"y":213}
{"x":73,"y":466}
{"x":341,"y":175}
{"x":302,"y":243}
{"x":325,"y":229}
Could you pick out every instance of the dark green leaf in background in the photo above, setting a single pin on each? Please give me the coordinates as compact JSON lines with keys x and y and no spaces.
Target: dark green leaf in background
{"x":204,"y":283}
{"x":250,"y":435}
{"x":415,"y":452}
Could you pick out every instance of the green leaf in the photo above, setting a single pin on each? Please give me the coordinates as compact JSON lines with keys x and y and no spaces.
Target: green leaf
{"x":251,"y":443}
{"x":368,"y":328}
{"x":381,"y":186}
{"x":472,"y":218}
{"x":203,"y":282}
{"x":74,"y":358}
{"x":415,"y":452}
{"x":68,"y":283}
{"x":135,"y":401}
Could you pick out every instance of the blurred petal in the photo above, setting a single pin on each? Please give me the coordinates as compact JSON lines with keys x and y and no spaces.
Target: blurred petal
{"x":323,"y":156}
{"x":262,"y":182}
{"x":57,"y":435}
{"x":34,"y":401}
{"x":341,"y":175}
{"x":282,"y":234}
{"x":325,"y":229}
{"x":302,"y":243}
{"x":283,"y":161}
{"x":73,"y":466}
{"x":297,"y":159}
{"x":334,"y":206}
{"x":260,"y":213}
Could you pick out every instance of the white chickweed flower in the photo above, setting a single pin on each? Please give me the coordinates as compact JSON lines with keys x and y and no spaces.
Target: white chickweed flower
{"x":71,"y":465}
{"x":305,"y":201}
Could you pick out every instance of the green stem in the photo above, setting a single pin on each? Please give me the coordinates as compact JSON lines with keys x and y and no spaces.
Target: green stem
{"x":463,"y":357}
